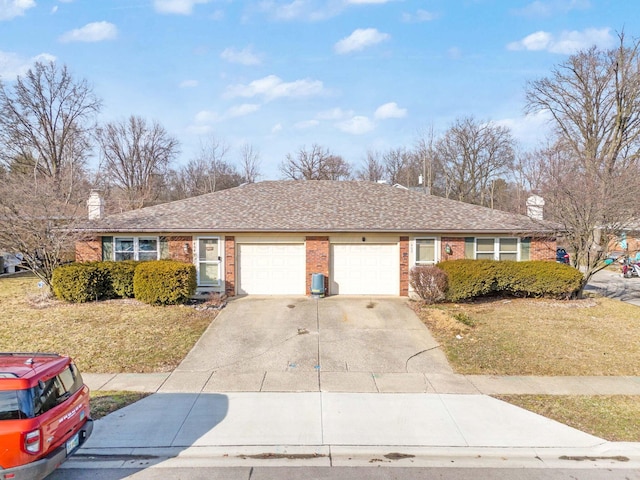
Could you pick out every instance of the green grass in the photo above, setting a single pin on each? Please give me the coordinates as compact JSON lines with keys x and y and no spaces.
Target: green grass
{"x":612,"y":417}
{"x":104,"y":337}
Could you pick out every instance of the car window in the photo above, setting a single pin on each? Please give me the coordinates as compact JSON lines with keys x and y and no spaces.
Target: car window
{"x":57,"y":389}
{"x":15,"y":405}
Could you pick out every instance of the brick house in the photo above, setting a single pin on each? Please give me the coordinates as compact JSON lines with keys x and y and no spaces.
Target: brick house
{"x":270,"y":237}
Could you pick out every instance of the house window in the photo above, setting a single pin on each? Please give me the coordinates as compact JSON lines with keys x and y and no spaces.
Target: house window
{"x":209,"y":261}
{"x":425,"y":251}
{"x":496,"y":248}
{"x":136,"y":248}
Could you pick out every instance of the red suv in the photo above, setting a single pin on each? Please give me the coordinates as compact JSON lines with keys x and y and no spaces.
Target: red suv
{"x":44,"y":413}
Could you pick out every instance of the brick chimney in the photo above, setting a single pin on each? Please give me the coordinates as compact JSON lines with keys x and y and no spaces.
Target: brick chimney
{"x":95,"y":205}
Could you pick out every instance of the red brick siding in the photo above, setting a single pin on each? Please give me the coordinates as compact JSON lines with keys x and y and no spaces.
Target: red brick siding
{"x":177,"y":250}
{"x":404,"y":266}
{"x":317,"y":258}
{"x":457,"y":248}
{"x":89,"y":250}
{"x":230,"y":266}
{"x":542,"y":249}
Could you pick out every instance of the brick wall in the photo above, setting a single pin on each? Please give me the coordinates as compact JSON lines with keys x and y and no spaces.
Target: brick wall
{"x":317,"y":252}
{"x":230,"y":266}
{"x":404,"y":266}
{"x":542,"y":249}
{"x":89,"y":250}
{"x":177,"y":251}
{"x":457,"y":248}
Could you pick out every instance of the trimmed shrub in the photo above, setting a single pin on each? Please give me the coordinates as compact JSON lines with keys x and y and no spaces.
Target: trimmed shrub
{"x":81,"y":282}
{"x":121,"y":277}
{"x":470,"y":279}
{"x":164,"y":282}
{"x":429,"y":282}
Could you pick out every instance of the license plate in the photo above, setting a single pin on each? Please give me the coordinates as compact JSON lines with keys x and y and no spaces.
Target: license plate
{"x":73,"y":442}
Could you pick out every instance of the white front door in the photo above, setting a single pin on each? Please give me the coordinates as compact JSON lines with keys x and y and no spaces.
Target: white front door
{"x":365,"y":269}
{"x":271,"y":268}
{"x":209,"y":258}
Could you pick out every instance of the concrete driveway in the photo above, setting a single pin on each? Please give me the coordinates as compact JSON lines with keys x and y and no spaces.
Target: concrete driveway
{"x":338,"y":344}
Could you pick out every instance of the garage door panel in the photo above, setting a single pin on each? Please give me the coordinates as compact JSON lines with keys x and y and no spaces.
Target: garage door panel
{"x":370,"y":269}
{"x":271,"y":269}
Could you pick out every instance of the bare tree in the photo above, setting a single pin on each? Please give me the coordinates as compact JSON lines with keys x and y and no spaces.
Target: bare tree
{"x":316,"y":163}
{"x":472,"y":155}
{"x":136,"y":157}
{"x":249,"y":163}
{"x":594,"y":100}
{"x":372,"y":169}
{"x":46,"y":120}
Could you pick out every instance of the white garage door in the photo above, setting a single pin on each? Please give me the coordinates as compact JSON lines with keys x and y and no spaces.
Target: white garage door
{"x":369,"y":269}
{"x":271,"y":269}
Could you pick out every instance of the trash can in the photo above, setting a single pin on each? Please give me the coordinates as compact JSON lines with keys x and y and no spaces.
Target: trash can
{"x":317,"y":284}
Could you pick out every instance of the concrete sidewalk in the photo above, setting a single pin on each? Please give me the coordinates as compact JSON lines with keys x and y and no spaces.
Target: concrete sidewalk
{"x":360,"y":382}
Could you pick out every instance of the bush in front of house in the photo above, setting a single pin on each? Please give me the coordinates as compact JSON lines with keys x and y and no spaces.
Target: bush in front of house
{"x":164,"y":282}
{"x":469,"y":279}
{"x":81,"y":282}
{"x":121,"y":276}
{"x":429,"y":282}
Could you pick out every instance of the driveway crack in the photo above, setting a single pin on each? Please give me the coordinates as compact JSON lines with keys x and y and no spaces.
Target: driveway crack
{"x":406,"y":364}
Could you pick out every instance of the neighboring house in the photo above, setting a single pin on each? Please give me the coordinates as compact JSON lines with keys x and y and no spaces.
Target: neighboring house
{"x":270,"y":237}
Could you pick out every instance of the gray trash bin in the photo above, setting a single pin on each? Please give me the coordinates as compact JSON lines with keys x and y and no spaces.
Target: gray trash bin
{"x":317,"y":284}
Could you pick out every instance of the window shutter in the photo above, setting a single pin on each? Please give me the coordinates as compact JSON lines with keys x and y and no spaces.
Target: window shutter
{"x":107,"y":249}
{"x":469,"y":247}
{"x":525,"y":249}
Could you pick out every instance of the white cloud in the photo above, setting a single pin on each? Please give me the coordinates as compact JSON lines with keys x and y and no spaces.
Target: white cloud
{"x":180,"y":7}
{"x":14,"y":8}
{"x":91,"y":32}
{"x":549,"y":8}
{"x":360,"y":39}
{"x":12,"y":64}
{"x":389,"y":110}
{"x":335,"y":114}
{"x":276,"y":128}
{"x":529,"y":130}
{"x":243,"y":57}
{"x":272,"y":87}
{"x":357,"y":125}
{"x":306,"y":124}
{"x":366,"y":2}
{"x":242,"y":110}
{"x":567,"y":42}
{"x":207,"y":116}
{"x":419,"y":16}
{"x":189,"y":84}
{"x":312,"y":10}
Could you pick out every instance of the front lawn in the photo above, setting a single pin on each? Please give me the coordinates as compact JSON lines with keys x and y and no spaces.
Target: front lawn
{"x":105,"y":337}
{"x":594,"y":336}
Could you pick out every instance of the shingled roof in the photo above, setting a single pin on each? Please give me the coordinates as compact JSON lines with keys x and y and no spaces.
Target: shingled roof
{"x":317,"y":207}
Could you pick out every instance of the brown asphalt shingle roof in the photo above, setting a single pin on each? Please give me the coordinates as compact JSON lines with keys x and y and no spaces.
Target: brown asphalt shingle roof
{"x":317,"y":206}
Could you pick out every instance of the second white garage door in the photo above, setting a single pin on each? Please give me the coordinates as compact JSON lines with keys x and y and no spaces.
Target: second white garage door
{"x":365,"y":269}
{"x":271,"y":269}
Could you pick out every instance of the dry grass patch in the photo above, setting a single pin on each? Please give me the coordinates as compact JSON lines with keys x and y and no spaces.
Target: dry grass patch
{"x":595,"y":336}
{"x":107,"y":337}
{"x":104,"y":402}
{"x":614,"y":418}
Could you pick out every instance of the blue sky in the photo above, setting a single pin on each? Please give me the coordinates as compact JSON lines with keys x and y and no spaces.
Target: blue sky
{"x":349,"y":75}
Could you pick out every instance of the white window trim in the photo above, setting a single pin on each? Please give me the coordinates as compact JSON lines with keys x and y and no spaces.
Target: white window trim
{"x":136,"y":245}
{"x":496,"y":247}
{"x":436,"y":250}
{"x":196,"y":249}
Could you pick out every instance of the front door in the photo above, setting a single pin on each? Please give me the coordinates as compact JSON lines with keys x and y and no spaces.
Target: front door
{"x":209,"y":261}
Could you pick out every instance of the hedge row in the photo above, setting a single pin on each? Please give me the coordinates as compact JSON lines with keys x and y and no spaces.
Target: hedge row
{"x":163,"y":282}
{"x":470,"y":279}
